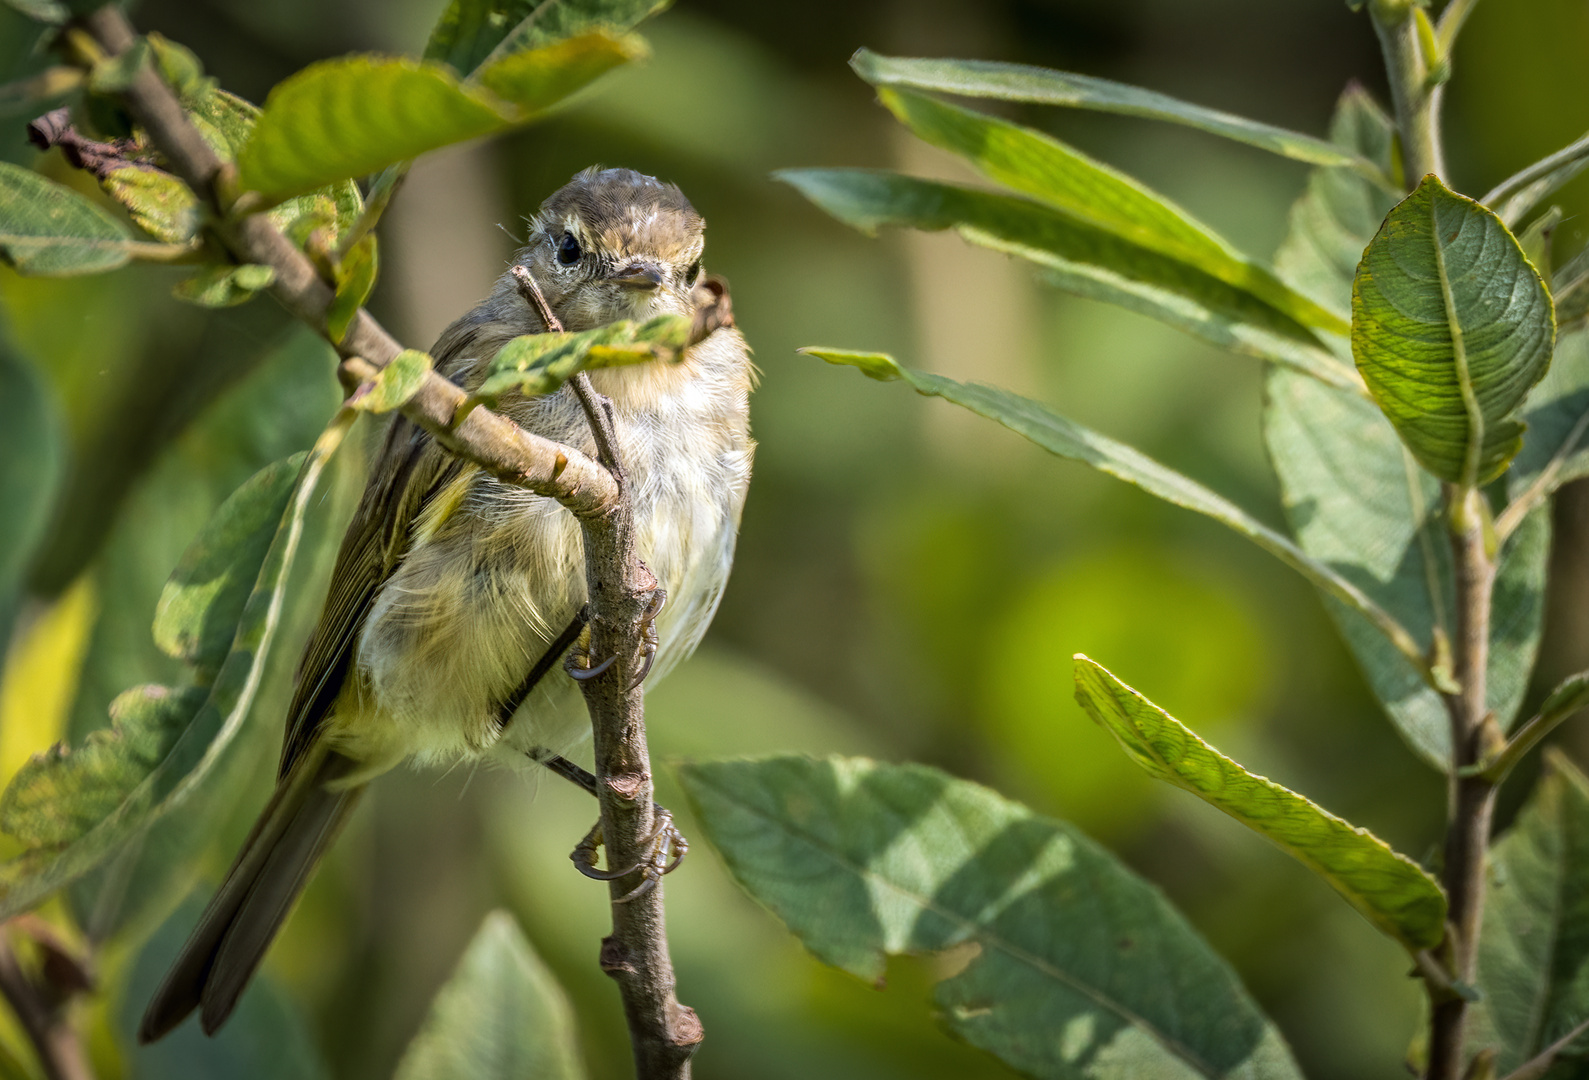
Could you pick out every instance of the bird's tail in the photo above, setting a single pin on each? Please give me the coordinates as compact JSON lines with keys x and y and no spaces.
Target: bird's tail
{"x":302,"y":818}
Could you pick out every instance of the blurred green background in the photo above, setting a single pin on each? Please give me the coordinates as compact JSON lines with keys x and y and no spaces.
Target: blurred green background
{"x":911,"y":581}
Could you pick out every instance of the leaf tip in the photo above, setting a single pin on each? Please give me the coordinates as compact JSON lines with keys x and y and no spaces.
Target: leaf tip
{"x":874,"y":365}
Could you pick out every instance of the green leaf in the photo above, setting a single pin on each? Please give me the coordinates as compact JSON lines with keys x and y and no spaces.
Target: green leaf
{"x":1358,"y":502}
{"x":180,"y":68}
{"x":32,"y":458}
{"x":1048,"y":170}
{"x":353,"y":116}
{"x":534,"y":364}
{"x":1451,"y":326}
{"x":1060,"y":436}
{"x":1045,"y":86}
{"x":115,"y":74}
{"x":502,"y":1016}
{"x":1534,"y":951}
{"x":138,"y":789}
{"x":48,"y":229}
{"x":1080,"y":968}
{"x":45,"y":11}
{"x":1390,"y":890}
{"x":396,"y":384}
{"x":472,"y":31}
{"x":356,"y":274}
{"x":1078,"y":257}
{"x":537,"y":79}
{"x":1514,"y":197}
{"x":224,"y":286}
{"x":159,"y":203}
{"x":1555,"y":447}
{"x":203,"y":601}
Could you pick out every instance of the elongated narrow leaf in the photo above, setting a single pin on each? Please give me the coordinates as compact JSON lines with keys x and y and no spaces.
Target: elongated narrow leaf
{"x":537,"y":79}
{"x":471,"y":32}
{"x":1390,"y":890}
{"x":1060,"y":436}
{"x":51,"y":230}
{"x":1534,"y":952}
{"x":155,"y":784}
{"x":1081,"y":969}
{"x":203,"y":601}
{"x":1045,"y":86}
{"x":1356,"y":499}
{"x":1514,"y":197}
{"x":1451,"y":326}
{"x":1078,"y":257}
{"x":501,"y":1016}
{"x":1046,"y":169}
{"x":352,"y":116}
{"x":355,"y":275}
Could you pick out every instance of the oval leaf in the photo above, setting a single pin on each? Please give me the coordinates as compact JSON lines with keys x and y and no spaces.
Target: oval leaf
{"x":1533,"y":954}
{"x":397,"y":383}
{"x":502,"y":1016}
{"x":1390,"y":890}
{"x":471,"y":32}
{"x":539,"y":78}
{"x":159,"y":203}
{"x":1081,"y":969}
{"x":50,"y":230}
{"x":353,"y":116}
{"x":534,"y":364}
{"x":1451,"y":326}
{"x":1045,"y":86}
{"x":1046,"y":169}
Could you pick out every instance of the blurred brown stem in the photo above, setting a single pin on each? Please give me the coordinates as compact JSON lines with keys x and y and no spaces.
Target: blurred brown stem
{"x":41,"y":1005}
{"x":664,"y":1033}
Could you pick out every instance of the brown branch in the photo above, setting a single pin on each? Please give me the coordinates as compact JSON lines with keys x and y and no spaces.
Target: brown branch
{"x":41,"y":1004}
{"x":664,"y":1032}
{"x":1471,"y":794}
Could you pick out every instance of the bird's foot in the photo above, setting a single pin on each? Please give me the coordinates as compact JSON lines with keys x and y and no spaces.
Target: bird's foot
{"x":663,"y":850}
{"x":648,"y":634}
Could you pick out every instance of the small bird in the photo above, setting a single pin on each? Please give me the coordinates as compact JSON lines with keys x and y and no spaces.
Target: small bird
{"x":452,"y":588}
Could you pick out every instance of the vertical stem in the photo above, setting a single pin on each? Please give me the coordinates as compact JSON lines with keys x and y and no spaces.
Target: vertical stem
{"x":1417,"y":102}
{"x":1471,"y":799}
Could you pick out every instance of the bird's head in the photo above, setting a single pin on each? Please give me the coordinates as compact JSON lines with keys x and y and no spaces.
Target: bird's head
{"x":615,"y":244}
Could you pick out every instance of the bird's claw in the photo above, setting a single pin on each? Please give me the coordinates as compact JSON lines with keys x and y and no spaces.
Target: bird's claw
{"x":648,"y":634}
{"x":664,"y":849}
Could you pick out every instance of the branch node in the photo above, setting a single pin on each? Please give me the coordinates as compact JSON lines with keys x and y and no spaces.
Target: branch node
{"x":615,"y":958}
{"x":685,"y":1028}
{"x":628,"y":785}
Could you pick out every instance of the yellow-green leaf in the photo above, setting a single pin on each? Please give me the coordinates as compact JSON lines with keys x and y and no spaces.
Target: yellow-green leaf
{"x":48,"y":229}
{"x":356,"y":275}
{"x":396,"y":384}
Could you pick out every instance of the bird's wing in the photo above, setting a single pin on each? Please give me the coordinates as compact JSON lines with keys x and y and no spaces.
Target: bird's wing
{"x":411,"y":468}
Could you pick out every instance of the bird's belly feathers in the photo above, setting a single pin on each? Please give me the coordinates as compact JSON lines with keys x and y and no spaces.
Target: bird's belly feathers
{"x":495,"y":573}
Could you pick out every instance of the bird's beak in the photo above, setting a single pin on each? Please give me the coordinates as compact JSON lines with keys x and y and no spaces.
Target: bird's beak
{"x":638,"y":275}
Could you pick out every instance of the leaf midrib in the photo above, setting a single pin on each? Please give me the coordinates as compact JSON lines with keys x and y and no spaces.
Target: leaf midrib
{"x":1474,"y":451}
{"x":987,"y":937}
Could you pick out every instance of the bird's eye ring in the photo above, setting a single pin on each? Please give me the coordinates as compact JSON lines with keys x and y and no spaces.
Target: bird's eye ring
{"x":693,"y":273}
{"x":568,"y":250}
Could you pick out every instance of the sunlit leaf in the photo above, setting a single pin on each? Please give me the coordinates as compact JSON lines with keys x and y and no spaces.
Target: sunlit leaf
{"x":355,"y":115}
{"x":149,"y":788}
{"x":533,"y":364}
{"x":1078,"y":257}
{"x":1060,"y":436}
{"x":1046,"y":169}
{"x":1045,"y":86}
{"x":1451,"y":326}
{"x":472,"y":31}
{"x":203,"y":601}
{"x":158,"y":202}
{"x":49,"y":229}
{"x":224,"y":285}
{"x":1079,"y":968}
{"x":537,"y":79}
{"x":502,"y":1016}
{"x":1534,"y":952}
{"x":397,"y":383}
{"x":356,"y":275}
{"x":1388,"y":889}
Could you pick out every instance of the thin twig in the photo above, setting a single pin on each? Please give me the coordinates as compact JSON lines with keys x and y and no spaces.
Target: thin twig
{"x":1451,"y":19}
{"x":664,"y":1032}
{"x":1417,"y":102}
{"x":1545,"y":483}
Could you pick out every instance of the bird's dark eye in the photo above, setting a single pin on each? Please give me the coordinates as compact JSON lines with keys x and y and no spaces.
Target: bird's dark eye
{"x":568,"y":251}
{"x":692,"y":273}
